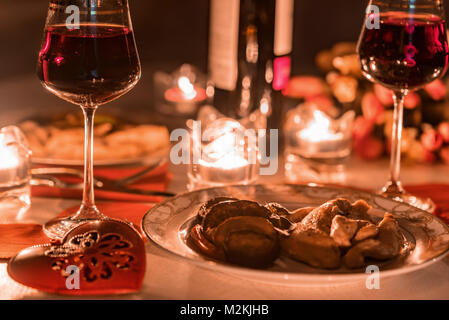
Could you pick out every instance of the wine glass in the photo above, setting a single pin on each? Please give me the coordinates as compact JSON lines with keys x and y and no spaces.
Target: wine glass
{"x":88,"y":57}
{"x":403,"y":46}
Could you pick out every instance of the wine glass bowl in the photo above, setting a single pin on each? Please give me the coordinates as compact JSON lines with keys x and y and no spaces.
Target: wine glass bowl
{"x":403,"y":46}
{"x":88,"y":57}
{"x":406,"y":52}
{"x":92,"y":65}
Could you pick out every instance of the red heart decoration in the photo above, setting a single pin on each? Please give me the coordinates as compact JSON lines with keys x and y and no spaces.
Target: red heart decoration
{"x":97,"y":257}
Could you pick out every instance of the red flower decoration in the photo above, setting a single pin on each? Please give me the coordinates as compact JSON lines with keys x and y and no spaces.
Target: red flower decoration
{"x":436,"y":90}
{"x":431,"y":140}
{"x":412,"y":100}
{"x":443,"y":130}
{"x":372,"y":108}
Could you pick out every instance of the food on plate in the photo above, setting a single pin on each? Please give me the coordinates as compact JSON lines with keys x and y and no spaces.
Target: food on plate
{"x":313,"y":247}
{"x":337,"y":233}
{"x":386,"y":245}
{"x":64,"y":139}
{"x":238,"y":230}
{"x":247,"y":240}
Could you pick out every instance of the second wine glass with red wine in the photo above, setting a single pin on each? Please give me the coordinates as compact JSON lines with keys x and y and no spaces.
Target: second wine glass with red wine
{"x":88,"y":57}
{"x":403,"y":46}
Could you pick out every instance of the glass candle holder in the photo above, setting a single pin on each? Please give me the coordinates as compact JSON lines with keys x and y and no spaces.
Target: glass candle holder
{"x":317,"y":146}
{"x":15,"y":168}
{"x":223,"y":150}
{"x":180,"y":93}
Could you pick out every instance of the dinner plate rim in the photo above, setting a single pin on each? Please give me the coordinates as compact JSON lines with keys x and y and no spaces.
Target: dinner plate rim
{"x":290,"y":276}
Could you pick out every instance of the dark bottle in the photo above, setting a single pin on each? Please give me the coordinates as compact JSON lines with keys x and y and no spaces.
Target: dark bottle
{"x":250,"y":43}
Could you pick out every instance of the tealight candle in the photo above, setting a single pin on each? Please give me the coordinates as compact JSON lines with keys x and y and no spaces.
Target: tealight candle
{"x":225,"y":156}
{"x":14,"y":174}
{"x":316,"y":142}
{"x":317,"y":138}
{"x":185,"y":96}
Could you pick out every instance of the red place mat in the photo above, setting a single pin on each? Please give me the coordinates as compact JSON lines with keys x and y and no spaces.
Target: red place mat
{"x":439,"y":193}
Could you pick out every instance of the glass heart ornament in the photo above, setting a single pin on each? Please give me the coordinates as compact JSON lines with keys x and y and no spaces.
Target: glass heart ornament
{"x":95,"y":258}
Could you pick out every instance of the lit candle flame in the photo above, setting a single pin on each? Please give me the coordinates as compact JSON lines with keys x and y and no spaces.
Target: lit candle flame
{"x":319,"y":129}
{"x":187,"y":88}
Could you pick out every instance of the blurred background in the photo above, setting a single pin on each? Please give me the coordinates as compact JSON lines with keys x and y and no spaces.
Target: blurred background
{"x":168,"y":33}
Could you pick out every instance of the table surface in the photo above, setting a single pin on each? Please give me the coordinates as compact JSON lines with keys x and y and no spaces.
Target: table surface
{"x":169,"y":278}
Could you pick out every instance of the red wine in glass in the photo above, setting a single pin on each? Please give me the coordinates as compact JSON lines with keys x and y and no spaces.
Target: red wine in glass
{"x":403,"y":48}
{"x":90,"y":65}
{"x":406,"y":52}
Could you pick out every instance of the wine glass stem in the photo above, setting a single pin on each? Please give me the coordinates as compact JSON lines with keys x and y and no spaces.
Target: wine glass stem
{"x":394,"y":185}
{"x":88,"y":209}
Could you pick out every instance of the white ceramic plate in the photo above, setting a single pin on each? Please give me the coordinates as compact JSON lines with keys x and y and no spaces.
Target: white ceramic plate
{"x":168,"y":223}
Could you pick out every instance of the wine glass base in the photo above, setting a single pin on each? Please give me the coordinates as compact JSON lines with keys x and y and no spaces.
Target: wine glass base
{"x":425,"y":204}
{"x":57,"y":228}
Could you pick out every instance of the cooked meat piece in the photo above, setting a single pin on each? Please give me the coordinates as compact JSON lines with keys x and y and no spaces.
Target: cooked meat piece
{"x":343,"y":229}
{"x":202,"y":212}
{"x":386,"y":246}
{"x":359,"y":211}
{"x":390,"y":235}
{"x":277,"y":209}
{"x":299,"y":214}
{"x":313,"y":247}
{"x":355,"y":257}
{"x":282,"y":224}
{"x":228,"y":209}
{"x":321,"y":217}
{"x":248,"y":241}
{"x":279,"y":218}
{"x":368,"y":230}
{"x":197,"y":240}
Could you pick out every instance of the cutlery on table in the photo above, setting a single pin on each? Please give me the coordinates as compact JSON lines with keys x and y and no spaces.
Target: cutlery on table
{"x":47,"y":177}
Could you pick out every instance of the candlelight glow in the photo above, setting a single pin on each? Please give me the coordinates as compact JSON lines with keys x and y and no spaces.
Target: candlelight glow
{"x":8,"y":158}
{"x":228,"y":162}
{"x":187,"y":88}
{"x":319,"y":129}
{"x":225,"y":149}
{"x":224,"y":153}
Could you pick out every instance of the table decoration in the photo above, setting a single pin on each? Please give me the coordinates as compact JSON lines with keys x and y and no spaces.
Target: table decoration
{"x":223,"y":150}
{"x":316,"y":145}
{"x":182,"y":92}
{"x":107,"y":256}
{"x":15,"y":167}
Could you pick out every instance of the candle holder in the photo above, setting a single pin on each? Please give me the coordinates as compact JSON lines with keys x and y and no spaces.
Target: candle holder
{"x":180,"y":93}
{"x":317,"y":146}
{"x":15,"y":166}
{"x":223,"y":150}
